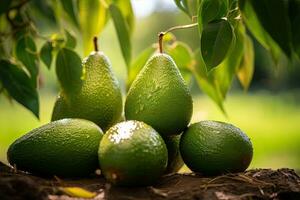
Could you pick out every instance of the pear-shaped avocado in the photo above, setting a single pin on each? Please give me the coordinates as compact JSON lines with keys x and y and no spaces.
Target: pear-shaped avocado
{"x":97,"y":99}
{"x":160,"y":97}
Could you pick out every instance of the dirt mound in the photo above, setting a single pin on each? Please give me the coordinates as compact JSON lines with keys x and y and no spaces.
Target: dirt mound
{"x":252,"y":184}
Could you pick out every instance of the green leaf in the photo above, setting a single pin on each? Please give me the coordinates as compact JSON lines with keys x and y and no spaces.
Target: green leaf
{"x":43,"y":11}
{"x":188,"y":6}
{"x":253,"y":24}
{"x":92,"y":18}
{"x":71,"y":40}
{"x":68,"y":70}
{"x":127,"y":12}
{"x":46,"y":54}
{"x":181,"y":53}
{"x":210,"y":10}
{"x":246,"y":68}
{"x":218,"y":81}
{"x":273,"y":16}
{"x":138,"y":64}
{"x":187,"y":76}
{"x":4,"y":6}
{"x":19,"y":86}
{"x":224,"y":73}
{"x":206,"y":83}
{"x":122,"y":32}
{"x":26,"y":52}
{"x":70,"y":8}
{"x":182,"y":5}
{"x":216,"y":41}
{"x":193,"y":6}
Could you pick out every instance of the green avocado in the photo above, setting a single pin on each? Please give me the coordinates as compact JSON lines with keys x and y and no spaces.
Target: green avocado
{"x":159,"y":97}
{"x":132,"y":153}
{"x":66,"y":148}
{"x":215,"y":148}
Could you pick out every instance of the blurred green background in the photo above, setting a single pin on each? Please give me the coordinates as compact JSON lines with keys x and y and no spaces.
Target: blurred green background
{"x":269,"y":112}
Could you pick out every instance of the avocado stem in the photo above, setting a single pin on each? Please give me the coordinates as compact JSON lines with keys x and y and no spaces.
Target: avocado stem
{"x":180,"y":27}
{"x":160,"y":41}
{"x":161,"y":34}
{"x":95,"y":40}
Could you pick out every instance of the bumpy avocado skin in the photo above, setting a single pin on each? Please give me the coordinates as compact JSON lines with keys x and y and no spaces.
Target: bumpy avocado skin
{"x":214,"y":148}
{"x":132,"y":153}
{"x":160,"y":97}
{"x":97,"y":99}
{"x":65,"y":148}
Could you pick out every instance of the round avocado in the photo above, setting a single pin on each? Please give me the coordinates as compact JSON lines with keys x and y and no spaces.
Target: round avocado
{"x":66,"y":148}
{"x":214,"y":148}
{"x":132,"y":153}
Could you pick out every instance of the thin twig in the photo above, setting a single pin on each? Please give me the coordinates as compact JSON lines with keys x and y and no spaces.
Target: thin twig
{"x":161,"y":34}
{"x":180,"y":27}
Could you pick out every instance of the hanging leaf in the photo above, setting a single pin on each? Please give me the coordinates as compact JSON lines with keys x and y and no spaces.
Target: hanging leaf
{"x":26,"y":52}
{"x":46,"y":54}
{"x":210,"y":10}
{"x":182,"y":5}
{"x":181,"y":53}
{"x":43,"y":12}
{"x":216,"y":41}
{"x":70,"y":8}
{"x":246,"y":69}
{"x":127,"y":12}
{"x":92,"y":18}
{"x":71,"y":40}
{"x":253,"y":24}
{"x":19,"y":86}
{"x":205,"y":82}
{"x":188,"y":6}
{"x":275,"y":21}
{"x":68,"y":70}
{"x":138,"y":64}
{"x":78,"y":192}
{"x":193,"y":6}
{"x":224,"y":73}
{"x":122,"y":32}
{"x":273,"y":16}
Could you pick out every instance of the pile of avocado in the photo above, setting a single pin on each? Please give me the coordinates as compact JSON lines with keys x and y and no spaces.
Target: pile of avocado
{"x":87,"y":131}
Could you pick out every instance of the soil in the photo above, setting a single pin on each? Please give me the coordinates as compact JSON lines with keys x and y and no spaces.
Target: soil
{"x":253,"y":184}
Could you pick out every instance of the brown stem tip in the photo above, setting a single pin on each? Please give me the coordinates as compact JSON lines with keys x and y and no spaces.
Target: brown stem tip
{"x":160,"y":41}
{"x":95,"y":40}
